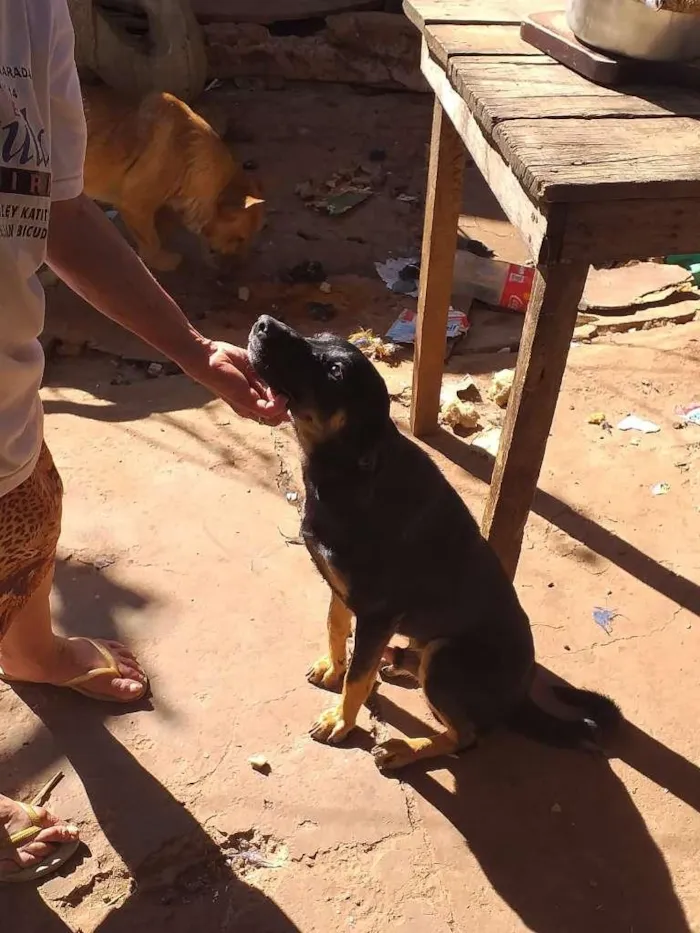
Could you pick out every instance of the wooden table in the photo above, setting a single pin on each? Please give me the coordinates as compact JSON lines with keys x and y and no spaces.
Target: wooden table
{"x":587,"y":174}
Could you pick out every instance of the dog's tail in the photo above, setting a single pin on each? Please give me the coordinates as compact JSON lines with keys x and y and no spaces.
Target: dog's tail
{"x":600,"y":718}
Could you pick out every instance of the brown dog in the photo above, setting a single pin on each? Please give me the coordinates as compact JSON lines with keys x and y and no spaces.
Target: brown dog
{"x":157,"y":153}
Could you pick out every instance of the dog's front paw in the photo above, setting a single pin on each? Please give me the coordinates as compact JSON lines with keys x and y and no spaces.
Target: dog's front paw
{"x":396,"y":753}
{"x":330,"y":726}
{"x":323,"y":673}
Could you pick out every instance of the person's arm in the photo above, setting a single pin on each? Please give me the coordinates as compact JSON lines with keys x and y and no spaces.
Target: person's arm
{"x":93,"y":259}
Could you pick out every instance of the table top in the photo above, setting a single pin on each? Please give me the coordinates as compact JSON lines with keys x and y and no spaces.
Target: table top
{"x":565,"y":138}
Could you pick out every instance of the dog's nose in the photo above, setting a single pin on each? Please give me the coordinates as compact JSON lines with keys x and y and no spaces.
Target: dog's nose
{"x":263,"y":325}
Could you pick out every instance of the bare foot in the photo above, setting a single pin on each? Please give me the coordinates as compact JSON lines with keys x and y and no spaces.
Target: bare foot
{"x":72,"y":657}
{"x":13,"y":819}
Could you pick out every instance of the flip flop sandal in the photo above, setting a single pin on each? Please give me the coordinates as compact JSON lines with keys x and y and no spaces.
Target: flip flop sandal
{"x":60,"y":854}
{"x":78,"y":683}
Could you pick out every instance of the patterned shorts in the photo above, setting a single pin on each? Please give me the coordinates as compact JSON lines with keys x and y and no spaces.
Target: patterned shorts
{"x":30,"y":523}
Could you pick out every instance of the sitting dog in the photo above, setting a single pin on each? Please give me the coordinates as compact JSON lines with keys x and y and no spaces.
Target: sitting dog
{"x":156,"y":153}
{"x":401,"y":551}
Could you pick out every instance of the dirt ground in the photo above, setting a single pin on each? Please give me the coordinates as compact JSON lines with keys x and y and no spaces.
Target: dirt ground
{"x":179,"y":537}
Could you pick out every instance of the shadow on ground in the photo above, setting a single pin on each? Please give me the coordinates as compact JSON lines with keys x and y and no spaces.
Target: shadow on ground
{"x":131,"y":806}
{"x":83,"y":593}
{"x":181,"y":880}
{"x":586,"y":530}
{"x":158,"y":414}
{"x":556,"y":833}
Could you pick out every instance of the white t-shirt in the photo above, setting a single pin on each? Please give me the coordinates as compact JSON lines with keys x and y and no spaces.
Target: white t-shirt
{"x":42,"y":148}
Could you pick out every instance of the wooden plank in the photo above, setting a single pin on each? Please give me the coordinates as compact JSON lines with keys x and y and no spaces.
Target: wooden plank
{"x":473,"y":12}
{"x":529,"y":219}
{"x":273,"y":11}
{"x":549,"y":325}
{"x":550,"y":33}
{"x":444,"y":198}
{"x":444,"y":41}
{"x":589,"y":160}
{"x":527,"y":88}
{"x":490,"y":111}
{"x":621,"y":230}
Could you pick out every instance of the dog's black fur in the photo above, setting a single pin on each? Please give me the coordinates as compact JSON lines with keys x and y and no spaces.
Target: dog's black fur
{"x":401,"y":550}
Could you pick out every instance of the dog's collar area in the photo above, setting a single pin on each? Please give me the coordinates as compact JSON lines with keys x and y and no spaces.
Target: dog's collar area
{"x":368,"y":462}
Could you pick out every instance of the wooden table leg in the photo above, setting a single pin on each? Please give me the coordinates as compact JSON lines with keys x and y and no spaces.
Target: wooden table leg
{"x":549,"y":325}
{"x":442,"y":207}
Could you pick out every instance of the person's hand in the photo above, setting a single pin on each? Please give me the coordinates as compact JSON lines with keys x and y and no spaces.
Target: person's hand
{"x":226,"y":371}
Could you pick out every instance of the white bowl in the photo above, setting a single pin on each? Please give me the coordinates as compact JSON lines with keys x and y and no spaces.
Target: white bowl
{"x":630,"y":28}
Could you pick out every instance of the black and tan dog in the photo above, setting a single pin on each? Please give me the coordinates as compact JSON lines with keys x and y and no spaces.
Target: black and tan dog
{"x":401,"y":551}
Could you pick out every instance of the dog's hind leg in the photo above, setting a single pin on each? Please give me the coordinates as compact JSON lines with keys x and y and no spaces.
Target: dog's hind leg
{"x":444,"y":699}
{"x":397,"y":753}
{"x":139,"y":219}
{"x":329,"y":670}
{"x":399,"y":662}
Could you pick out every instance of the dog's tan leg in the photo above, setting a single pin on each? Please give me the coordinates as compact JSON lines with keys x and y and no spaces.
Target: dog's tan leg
{"x":329,"y":670}
{"x":370,"y":641}
{"x":397,"y":753}
{"x":444,"y":701}
{"x":140,"y":222}
{"x":334,"y":724}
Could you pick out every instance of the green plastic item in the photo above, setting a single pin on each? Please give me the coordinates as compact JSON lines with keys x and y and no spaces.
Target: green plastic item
{"x":689,"y":261}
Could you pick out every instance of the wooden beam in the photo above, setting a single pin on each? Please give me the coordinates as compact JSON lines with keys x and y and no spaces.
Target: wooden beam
{"x":442,"y":209}
{"x":445,"y":41}
{"x":473,"y":12}
{"x":519,"y":209}
{"x":607,"y":231}
{"x":549,"y":326}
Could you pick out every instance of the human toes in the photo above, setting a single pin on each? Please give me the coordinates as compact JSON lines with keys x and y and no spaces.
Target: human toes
{"x":52,"y":831}
{"x":126,"y":662}
{"x":42,"y":845}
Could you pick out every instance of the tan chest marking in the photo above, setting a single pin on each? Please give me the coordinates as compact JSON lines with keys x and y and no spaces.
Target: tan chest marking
{"x":329,"y":573}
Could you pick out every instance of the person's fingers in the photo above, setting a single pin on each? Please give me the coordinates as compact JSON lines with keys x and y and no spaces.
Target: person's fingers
{"x":274,"y":411}
{"x":272,"y":406}
{"x":246,"y":400}
{"x":279,"y":401}
{"x":239,"y":385}
{"x":246,"y":367}
{"x":262,"y":415}
{"x":255,"y":383}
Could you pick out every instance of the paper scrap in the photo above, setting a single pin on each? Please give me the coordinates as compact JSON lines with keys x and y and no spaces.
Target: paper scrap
{"x":400,"y":275}
{"x":634,"y":423}
{"x":604,"y":618}
{"x":689,"y":413}
{"x":403,"y":330}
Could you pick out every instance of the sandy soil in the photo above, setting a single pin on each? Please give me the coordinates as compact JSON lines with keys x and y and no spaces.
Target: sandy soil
{"x":179,"y":538}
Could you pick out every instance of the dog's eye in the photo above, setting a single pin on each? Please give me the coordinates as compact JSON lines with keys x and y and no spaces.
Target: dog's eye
{"x":336,"y":370}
